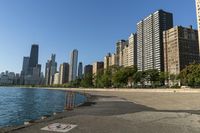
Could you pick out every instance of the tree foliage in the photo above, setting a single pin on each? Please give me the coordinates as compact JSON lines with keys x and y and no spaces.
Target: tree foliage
{"x":190,"y":76}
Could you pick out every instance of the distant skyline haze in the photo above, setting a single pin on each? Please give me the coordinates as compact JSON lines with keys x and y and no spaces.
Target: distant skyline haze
{"x":91,"y":26}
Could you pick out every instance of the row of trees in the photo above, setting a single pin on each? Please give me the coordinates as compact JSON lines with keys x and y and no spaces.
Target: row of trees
{"x":122,"y":77}
{"x":130,"y":77}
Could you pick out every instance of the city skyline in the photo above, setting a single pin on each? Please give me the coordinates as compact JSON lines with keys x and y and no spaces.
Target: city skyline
{"x":96,"y":42}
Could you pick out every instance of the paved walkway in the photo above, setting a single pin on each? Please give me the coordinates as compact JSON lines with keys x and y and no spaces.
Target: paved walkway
{"x":116,"y":112}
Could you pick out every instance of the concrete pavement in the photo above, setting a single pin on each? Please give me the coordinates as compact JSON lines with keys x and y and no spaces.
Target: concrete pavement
{"x":131,"y":112}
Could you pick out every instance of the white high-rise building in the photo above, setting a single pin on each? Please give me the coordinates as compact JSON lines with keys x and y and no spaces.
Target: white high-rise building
{"x":198,"y":18}
{"x":150,"y":40}
{"x":73,"y":65}
{"x":56,"y":78}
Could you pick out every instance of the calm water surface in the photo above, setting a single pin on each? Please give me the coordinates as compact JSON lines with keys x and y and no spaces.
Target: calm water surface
{"x":19,"y":105}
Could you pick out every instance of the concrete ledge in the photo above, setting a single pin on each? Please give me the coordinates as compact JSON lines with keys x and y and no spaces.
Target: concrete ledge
{"x":129,"y":90}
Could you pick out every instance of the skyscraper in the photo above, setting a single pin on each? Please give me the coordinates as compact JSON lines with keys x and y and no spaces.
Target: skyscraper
{"x":80,"y":70}
{"x":64,"y":73}
{"x":25,"y":66}
{"x":33,"y":61}
{"x":31,"y":70}
{"x":198,"y":18}
{"x":47,"y":72}
{"x":73,"y":65}
{"x":150,"y":40}
{"x":50,"y":70}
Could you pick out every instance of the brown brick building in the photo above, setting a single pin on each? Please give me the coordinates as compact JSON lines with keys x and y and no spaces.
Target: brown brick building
{"x":180,"y":48}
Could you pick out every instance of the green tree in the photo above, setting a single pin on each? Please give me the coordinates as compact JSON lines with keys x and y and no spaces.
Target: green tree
{"x":106,"y":78}
{"x":190,"y":75}
{"x":152,"y":75}
{"x":119,"y":78}
{"x":98,"y":79}
{"x":139,"y":77}
{"x":163,"y":76}
{"x":87,"y":81}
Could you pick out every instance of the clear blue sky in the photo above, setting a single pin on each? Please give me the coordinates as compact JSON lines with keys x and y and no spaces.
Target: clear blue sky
{"x":91,"y":26}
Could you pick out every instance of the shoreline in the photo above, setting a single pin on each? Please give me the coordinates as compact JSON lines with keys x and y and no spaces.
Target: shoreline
{"x":150,"y":90}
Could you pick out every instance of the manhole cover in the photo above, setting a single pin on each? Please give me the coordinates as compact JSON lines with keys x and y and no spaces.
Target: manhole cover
{"x":58,"y":127}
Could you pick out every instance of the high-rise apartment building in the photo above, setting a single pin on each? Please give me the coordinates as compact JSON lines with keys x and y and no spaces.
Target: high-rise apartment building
{"x":180,"y":48}
{"x":114,"y":60}
{"x":50,"y":70}
{"x":107,"y":61}
{"x":64,"y":73}
{"x":124,"y":56}
{"x":120,"y":45}
{"x":132,"y":50}
{"x":150,"y":40}
{"x":198,"y":18}
{"x":73,"y":65}
{"x":80,"y":70}
{"x":88,"y":70}
{"x":98,"y":67}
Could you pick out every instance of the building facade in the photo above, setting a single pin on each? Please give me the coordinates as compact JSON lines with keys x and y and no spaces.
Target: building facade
{"x":25,"y":66}
{"x":107,"y":61}
{"x":114,"y":59}
{"x":132,"y":50}
{"x":180,"y":48}
{"x":64,"y":73}
{"x":56,"y":78}
{"x":97,"y":67}
{"x":88,"y":70}
{"x":120,"y":45}
{"x":73,"y":65}
{"x":126,"y":52}
{"x":50,"y":70}
{"x":33,"y":60}
{"x":150,"y":40}
{"x":125,"y":56}
{"x":198,"y":18}
{"x":80,"y":70}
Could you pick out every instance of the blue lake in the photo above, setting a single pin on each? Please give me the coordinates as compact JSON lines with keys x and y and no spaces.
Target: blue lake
{"x":18,"y":105}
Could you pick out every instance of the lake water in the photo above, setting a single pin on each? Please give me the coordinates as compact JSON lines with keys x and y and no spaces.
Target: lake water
{"x":18,"y":105}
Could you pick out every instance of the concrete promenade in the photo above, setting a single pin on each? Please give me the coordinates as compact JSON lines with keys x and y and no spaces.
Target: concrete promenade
{"x":131,"y":111}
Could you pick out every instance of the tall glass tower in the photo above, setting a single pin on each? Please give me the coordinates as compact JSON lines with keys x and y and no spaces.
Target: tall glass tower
{"x":73,"y":65}
{"x":80,"y":70}
{"x":33,"y":61}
